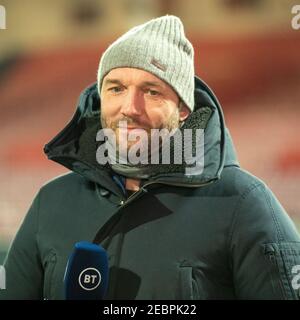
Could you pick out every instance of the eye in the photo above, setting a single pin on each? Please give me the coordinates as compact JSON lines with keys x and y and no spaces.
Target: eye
{"x":117,"y":89}
{"x":153,"y":92}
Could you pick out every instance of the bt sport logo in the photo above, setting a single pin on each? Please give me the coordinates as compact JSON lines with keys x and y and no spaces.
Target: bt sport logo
{"x":89,"y":279}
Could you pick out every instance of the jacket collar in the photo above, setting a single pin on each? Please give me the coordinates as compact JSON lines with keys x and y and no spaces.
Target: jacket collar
{"x":75,"y":146}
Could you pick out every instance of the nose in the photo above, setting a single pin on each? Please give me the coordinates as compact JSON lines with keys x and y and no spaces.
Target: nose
{"x":133,"y":104}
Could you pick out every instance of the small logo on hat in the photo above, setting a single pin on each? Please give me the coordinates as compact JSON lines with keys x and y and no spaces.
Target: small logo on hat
{"x":158,"y":65}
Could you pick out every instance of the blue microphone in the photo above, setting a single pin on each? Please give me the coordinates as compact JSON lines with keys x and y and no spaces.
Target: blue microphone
{"x":86,"y":275}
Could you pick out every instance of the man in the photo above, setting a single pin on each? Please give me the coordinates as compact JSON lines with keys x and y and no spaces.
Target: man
{"x":171,"y":231}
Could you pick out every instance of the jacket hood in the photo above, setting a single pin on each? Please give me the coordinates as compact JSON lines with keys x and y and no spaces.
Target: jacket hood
{"x":75,"y":146}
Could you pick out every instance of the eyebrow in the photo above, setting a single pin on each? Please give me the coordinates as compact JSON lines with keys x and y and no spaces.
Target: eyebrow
{"x":143,"y":84}
{"x":151,"y":84}
{"x":112,"y":81}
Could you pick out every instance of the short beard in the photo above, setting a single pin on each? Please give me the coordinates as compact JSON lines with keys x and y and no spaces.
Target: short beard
{"x":172,"y":123}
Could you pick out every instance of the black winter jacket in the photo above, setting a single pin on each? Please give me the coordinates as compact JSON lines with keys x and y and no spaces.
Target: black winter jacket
{"x":219,"y":235}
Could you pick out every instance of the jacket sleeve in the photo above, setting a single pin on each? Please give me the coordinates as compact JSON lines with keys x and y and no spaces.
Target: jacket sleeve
{"x":265,"y":248}
{"x":22,"y":264}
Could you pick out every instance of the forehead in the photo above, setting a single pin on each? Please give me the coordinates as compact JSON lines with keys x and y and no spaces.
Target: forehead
{"x":133,"y":76}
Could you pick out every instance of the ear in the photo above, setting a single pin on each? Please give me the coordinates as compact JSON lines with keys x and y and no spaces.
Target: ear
{"x":184,"y":111}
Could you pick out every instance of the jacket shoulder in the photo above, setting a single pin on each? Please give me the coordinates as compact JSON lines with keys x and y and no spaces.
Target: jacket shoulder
{"x":238,"y":182}
{"x":258,"y":206}
{"x":70,"y":180}
{"x":263,"y":241}
{"x":65,"y":189}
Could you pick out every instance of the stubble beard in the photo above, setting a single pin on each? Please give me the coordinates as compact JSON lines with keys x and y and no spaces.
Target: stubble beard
{"x":172,"y":123}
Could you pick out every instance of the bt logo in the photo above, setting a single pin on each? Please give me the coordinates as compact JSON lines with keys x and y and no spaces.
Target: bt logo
{"x":89,"y":279}
{"x":296,"y":18}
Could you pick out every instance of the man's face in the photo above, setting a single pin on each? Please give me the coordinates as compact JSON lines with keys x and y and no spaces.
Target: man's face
{"x":141,"y":99}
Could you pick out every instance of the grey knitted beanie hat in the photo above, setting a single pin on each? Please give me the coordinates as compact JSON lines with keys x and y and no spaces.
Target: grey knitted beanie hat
{"x":160,"y":47}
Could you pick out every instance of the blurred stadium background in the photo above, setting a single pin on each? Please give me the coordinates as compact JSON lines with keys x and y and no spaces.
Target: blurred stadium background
{"x":246,"y":50}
